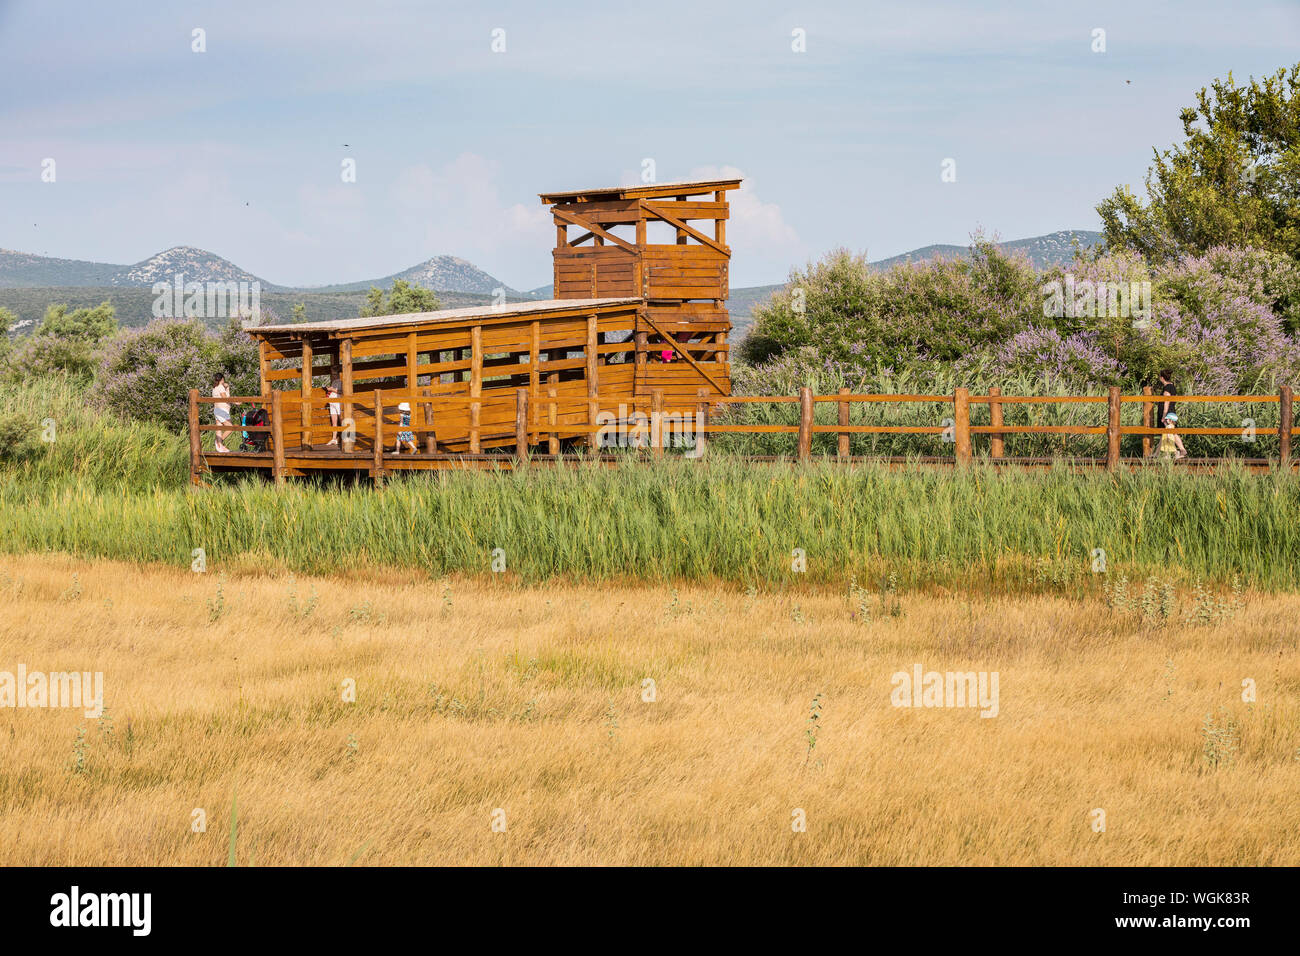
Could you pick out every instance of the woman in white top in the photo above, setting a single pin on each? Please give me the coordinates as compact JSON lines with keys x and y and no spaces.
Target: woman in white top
{"x":221,"y":410}
{"x":336,"y":410}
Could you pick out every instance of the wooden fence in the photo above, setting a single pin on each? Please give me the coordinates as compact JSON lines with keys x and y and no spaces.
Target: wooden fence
{"x":294,"y":448}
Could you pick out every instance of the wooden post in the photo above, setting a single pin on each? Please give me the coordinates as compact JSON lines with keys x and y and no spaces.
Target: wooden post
{"x":1112,"y":428}
{"x":345,"y":373}
{"x":1284,"y":426}
{"x":805,"y":423}
{"x":521,"y":424}
{"x":638,"y":268}
{"x":593,"y":382}
{"x":657,"y":423}
{"x":997,"y":446}
{"x":377,"y":466}
{"x":430,"y":434}
{"x":552,"y":414}
{"x":701,"y":422}
{"x":843,"y":445}
{"x":412,"y":375}
{"x":264,"y":365}
{"x":305,"y":408}
{"x":475,"y":386}
{"x":196,"y":451}
{"x":1147,"y":412}
{"x":277,"y":440}
{"x":961,"y":425}
{"x":534,"y":374}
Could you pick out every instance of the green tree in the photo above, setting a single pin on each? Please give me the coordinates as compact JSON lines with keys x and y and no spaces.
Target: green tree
{"x":66,"y":341}
{"x":401,"y":299}
{"x":1235,"y":180}
{"x":940,"y":309}
{"x":91,"y":325}
{"x":8,"y":319}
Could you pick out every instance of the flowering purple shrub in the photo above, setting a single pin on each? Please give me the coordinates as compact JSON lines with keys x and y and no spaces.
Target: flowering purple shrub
{"x":1224,"y":273}
{"x":147,"y":373}
{"x":1221,"y":320}
{"x":1116,"y":284}
{"x":1075,"y":359}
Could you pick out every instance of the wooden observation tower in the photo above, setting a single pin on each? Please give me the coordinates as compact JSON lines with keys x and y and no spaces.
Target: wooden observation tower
{"x":682,"y":282}
{"x":638,"y":319}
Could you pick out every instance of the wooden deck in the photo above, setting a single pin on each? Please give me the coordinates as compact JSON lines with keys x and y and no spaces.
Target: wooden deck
{"x":299,"y":464}
{"x":651,"y":424}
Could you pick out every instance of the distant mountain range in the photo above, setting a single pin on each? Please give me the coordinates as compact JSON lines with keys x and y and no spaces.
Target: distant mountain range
{"x":23,"y":270}
{"x":441,"y":273}
{"x":1055,"y":248}
{"x":196,"y":265}
{"x":460,"y":281}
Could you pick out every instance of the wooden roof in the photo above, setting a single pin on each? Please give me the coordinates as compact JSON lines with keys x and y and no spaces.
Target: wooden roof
{"x":466,"y":316}
{"x":643,"y":191}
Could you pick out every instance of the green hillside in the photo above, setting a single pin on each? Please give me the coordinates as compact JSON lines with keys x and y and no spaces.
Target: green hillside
{"x":134,"y":306}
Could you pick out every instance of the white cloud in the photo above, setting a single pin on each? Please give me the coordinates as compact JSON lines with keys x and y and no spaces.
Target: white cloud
{"x":458,"y":208}
{"x":762,"y":243}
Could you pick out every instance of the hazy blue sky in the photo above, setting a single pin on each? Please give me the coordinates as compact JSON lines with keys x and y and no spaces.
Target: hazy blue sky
{"x":239,"y":149}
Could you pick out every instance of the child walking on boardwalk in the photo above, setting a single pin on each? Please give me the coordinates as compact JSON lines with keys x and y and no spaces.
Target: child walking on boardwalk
{"x":405,"y":437}
{"x":1170,"y":443}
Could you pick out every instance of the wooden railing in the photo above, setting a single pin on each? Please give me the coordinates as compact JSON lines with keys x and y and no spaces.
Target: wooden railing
{"x":537,"y":419}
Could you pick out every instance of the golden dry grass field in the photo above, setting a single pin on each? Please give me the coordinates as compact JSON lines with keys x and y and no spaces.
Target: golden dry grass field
{"x":478,"y":696}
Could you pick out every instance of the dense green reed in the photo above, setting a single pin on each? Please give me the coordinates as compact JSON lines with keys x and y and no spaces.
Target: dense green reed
{"x":718,"y":519}
{"x":72,"y":441}
{"x":112,"y":489}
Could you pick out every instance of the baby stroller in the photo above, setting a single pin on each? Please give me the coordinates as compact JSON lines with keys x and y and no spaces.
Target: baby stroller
{"x":254,"y":441}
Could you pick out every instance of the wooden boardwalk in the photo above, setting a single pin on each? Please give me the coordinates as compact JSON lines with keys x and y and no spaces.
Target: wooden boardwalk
{"x":652,"y":423}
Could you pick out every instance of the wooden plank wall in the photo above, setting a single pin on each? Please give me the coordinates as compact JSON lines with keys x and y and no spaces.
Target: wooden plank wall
{"x":667,"y":272}
{"x":444,"y":366}
{"x":595,"y":272}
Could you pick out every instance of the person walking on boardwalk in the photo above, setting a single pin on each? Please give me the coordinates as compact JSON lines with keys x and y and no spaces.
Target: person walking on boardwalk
{"x":1171,"y":442}
{"x":221,"y":410}
{"x":406,"y":436}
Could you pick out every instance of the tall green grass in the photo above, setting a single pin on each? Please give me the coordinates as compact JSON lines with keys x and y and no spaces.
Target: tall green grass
{"x":108,"y":488}
{"x":89,"y":446}
{"x":718,"y":519}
